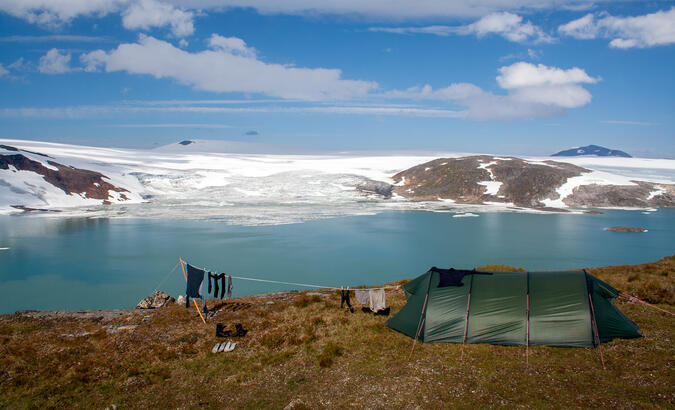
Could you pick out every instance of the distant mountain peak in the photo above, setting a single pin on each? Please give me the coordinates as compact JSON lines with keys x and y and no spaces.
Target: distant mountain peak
{"x":186,"y":142}
{"x":591,"y":150}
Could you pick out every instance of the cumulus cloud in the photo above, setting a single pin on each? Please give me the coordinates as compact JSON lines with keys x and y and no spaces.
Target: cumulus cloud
{"x":3,"y":71}
{"x":54,"y":13}
{"x":54,"y":62}
{"x":227,"y":66}
{"x":533,"y":91}
{"x":523,"y":74}
{"x":649,"y":30}
{"x":146,"y":14}
{"x":136,"y":14}
{"x":508,"y":25}
{"x":231,"y":45}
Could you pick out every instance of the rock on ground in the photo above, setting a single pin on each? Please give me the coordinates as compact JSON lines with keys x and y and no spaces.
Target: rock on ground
{"x":157,"y":300}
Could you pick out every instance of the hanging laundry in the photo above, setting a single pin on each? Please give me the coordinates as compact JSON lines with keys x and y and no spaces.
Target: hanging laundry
{"x":210,"y":276}
{"x":195,"y":277}
{"x":216,"y":286}
{"x":377,"y":300}
{"x":344,"y":298}
{"x":223,"y":282}
{"x":453,"y":277}
{"x":229,"y":286}
{"x":362,"y":296}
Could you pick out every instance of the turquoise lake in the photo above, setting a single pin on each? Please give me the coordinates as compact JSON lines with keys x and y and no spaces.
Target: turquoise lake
{"x":80,"y":263}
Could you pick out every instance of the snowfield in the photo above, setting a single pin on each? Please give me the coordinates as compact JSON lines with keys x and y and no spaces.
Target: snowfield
{"x":199,"y":182}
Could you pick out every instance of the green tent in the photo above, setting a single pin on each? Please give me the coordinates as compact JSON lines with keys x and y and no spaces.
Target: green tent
{"x":567,"y":308}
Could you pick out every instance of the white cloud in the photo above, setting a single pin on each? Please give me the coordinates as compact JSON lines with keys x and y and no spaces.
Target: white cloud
{"x":53,"y":37}
{"x":533,"y":91}
{"x":3,"y":71}
{"x":533,"y":54}
{"x":232,"y":45}
{"x":649,"y":30}
{"x":54,"y":13}
{"x":136,"y":14}
{"x":17,"y":65}
{"x":519,"y":75}
{"x":54,"y":62}
{"x":457,"y":91}
{"x":222,"y":69}
{"x":146,"y":14}
{"x":582,"y":28}
{"x":78,"y":112}
{"x":508,"y":25}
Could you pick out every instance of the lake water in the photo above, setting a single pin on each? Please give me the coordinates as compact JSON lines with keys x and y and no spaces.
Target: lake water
{"x":80,"y":263}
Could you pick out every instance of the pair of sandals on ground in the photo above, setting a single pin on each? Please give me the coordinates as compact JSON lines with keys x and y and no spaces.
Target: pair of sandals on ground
{"x":239,"y":331}
{"x":223,"y":347}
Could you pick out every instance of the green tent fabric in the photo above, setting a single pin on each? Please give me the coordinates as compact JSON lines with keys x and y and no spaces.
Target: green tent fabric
{"x":567,"y":308}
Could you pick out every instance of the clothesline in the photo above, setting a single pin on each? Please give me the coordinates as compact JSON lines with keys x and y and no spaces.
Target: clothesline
{"x":301,"y":284}
{"x":308,"y":285}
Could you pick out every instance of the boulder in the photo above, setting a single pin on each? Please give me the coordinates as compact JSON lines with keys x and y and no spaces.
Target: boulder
{"x":157,"y":300}
{"x":180,"y":300}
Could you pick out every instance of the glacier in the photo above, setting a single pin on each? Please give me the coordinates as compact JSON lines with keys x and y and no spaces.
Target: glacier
{"x":204,"y":181}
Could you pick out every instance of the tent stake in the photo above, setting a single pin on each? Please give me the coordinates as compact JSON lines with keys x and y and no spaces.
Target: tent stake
{"x":193,"y":299}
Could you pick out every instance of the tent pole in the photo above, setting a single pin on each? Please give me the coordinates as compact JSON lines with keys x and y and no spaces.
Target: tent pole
{"x":527,"y":332}
{"x":595,"y":328}
{"x":466,"y":318}
{"x":422,"y":318}
{"x":419,"y":325}
{"x":193,"y":299}
{"x":527,"y":342}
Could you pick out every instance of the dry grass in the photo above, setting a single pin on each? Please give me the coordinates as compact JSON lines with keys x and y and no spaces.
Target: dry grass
{"x":306,"y":350}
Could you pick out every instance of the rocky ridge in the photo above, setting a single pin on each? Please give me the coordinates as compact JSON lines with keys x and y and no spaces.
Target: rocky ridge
{"x":485,"y":179}
{"x":73,"y":181}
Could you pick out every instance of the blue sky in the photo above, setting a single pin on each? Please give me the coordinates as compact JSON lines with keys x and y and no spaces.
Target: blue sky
{"x":509,"y":76}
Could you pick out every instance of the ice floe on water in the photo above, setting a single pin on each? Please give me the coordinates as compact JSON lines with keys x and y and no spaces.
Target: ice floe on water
{"x":465,"y":215}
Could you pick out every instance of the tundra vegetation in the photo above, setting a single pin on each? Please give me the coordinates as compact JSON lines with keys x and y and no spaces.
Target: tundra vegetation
{"x":302,"y":349}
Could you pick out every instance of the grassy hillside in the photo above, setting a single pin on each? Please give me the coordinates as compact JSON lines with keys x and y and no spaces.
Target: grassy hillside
{"x":303,"y":349}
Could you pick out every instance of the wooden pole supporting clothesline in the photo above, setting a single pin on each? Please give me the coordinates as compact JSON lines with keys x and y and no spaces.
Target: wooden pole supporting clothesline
{"x":193,"y":299}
